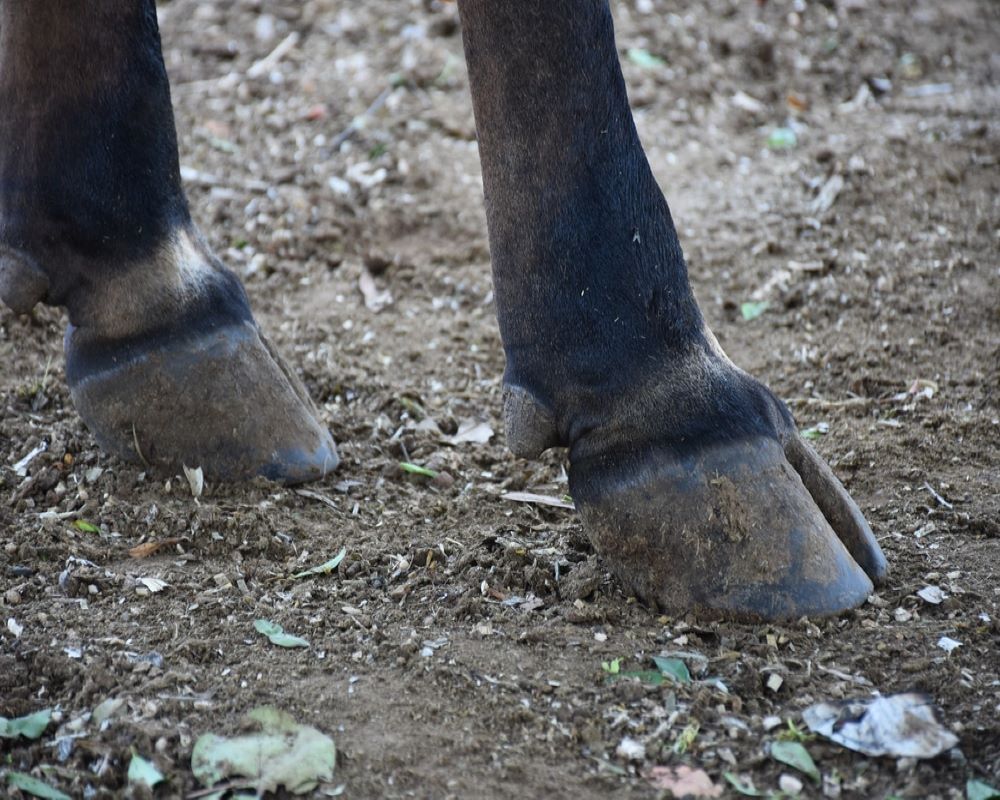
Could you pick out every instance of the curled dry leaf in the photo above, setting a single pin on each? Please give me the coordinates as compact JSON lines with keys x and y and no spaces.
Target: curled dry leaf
{"x":196,"y":480}
{"x":375,"y":299}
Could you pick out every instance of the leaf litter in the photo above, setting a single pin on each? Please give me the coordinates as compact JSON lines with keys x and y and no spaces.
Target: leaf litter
{"x":683,"y":781}
{"x":30,"y":726}
{"x":537,"y":499}
{"x":35,"y":787}
{"x":472,"y":432}
{"x":796,"y":756}
{"x":142,"y":772}
{"x":325,"y":568}
{"x":281,"y":753}
{"x":901,"y":725}
{"x":276,"y":634}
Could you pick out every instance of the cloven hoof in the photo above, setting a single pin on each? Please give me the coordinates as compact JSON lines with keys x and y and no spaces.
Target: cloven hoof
{"x":740,"y":529}
{"x":223,"y":400}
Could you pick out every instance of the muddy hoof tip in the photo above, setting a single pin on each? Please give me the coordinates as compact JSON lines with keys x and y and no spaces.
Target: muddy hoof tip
{"x":222,"y":400}
{"x":728,"y":531}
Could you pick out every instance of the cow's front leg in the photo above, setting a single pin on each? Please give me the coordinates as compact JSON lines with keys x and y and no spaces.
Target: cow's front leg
{"x":689,"y":474}
{"x":164,"y":360}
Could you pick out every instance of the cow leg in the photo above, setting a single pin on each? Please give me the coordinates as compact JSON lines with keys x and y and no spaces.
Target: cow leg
{"x":163,"y":358}
{"x":689,"y":474}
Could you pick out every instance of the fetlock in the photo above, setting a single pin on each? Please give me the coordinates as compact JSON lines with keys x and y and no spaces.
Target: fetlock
{"x":692,"y":396}
{"x":164,"y":360}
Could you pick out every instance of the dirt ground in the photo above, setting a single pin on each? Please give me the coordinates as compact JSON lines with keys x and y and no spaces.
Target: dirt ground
{"x":457,"y":650}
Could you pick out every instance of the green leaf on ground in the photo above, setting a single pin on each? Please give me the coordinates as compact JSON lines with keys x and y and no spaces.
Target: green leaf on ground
{"x":673,"y":668}
{"x":686,"y":738}
{"x":650,"y":676}
{"x":977,"y":790}
{"x":793,"y":733}
{"x":750,"y":310}
{"x":30,"y":727}
{"x":282,"y":753}
{"x":782,"y":139}
{"x":224,"y":145}
{"x":277,"y":635}
{"x":416,"y":469}
{"x":86,"y":527}
{"x":643,"y":58}
{"x":143,"y":772}
{"x":325,"y":568}
{"x":35,"y":787}
{"x":414,"y":408}
{"x":819,"y":429}
{"x":743,"y":788}
{"x":612,"y":667}
{"x":796,"y":756}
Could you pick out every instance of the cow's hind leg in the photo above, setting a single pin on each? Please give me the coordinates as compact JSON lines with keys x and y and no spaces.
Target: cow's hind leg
{"x":164,"y":360}
{"x":689,"y":474}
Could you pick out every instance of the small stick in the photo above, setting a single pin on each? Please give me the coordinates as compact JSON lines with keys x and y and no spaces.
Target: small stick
{"x":351,"y":129}
{"x":138,"y":450}
{"x":937,"y":497}
{"x":268,"y":62}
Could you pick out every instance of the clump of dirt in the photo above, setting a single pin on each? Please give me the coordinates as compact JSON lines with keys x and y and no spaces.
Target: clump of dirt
{"x":456,"y":651}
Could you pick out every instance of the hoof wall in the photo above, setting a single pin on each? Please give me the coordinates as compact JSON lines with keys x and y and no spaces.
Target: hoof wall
{"x":221,"y":400}
{"x":728,"y":531}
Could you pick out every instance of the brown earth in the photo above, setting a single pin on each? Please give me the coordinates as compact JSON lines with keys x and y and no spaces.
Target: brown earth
{"x":882,"y":329}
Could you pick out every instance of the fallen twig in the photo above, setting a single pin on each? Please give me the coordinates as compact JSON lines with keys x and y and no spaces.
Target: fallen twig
{"x":260,"y":68}
{"x":358,"y":121}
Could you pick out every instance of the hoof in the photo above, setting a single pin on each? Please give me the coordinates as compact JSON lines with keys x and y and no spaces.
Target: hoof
{"x":221,"y":399}
{"x":730,"y":530}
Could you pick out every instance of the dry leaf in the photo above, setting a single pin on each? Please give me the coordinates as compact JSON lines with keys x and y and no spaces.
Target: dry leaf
{"x":827,"y":196}
{"x":154,"y":584}
{"x":631,"y":749}
{"x":932,"y":595}
{"x":375,"y":299}
{"x":537,"y":499}
{"x":901,"y":725}
{"x":147,"y":549}
{"x":682,"y":781}
{"x":196,"y":480}
{"x":472,"y":432}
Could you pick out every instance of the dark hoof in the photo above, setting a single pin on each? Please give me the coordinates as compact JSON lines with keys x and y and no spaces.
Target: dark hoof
{"x":222,"y":400}
{"x":730,"y":530}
